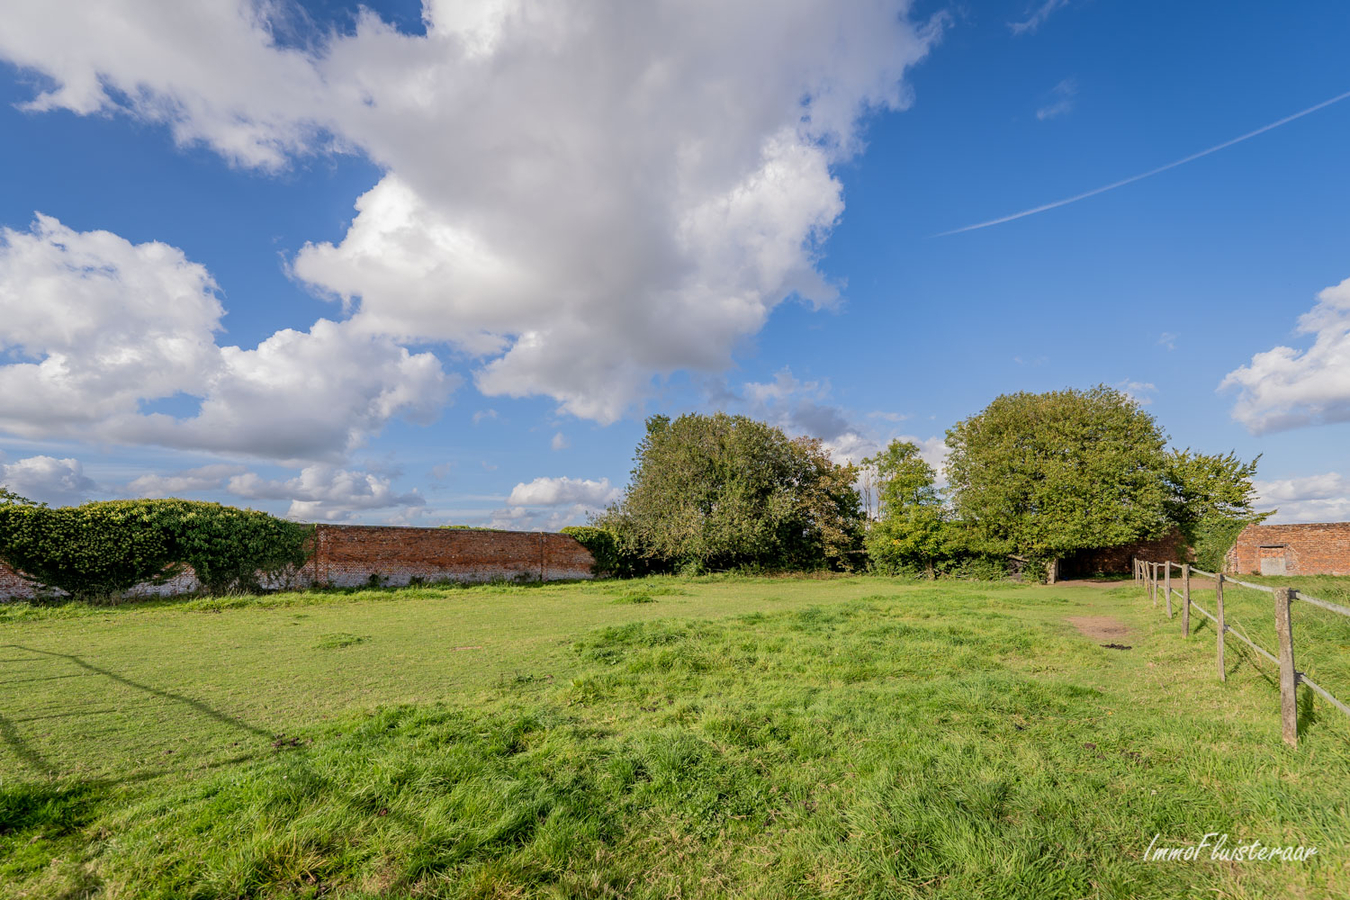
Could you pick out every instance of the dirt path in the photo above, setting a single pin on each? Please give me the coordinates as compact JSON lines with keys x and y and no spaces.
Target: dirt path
{"x":1100,"y":628}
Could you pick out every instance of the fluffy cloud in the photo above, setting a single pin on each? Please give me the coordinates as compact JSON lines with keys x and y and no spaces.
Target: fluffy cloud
{"x":325,"y":493}
{"x":1285,"y":388}
{"x":188,"y":481}
{"x":547,"y":504}
{"x":211,"y":70}
{"x":97,"y":326}
{"x":564,"y":491}
{"x":1313,"y":498}
{"x":643,"y":180}
{"x":305,"y":395}
{"x":58,"y":482}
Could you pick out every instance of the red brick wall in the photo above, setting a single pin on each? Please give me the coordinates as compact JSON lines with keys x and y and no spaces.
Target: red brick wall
{"x":348,"y":555}
{"x":1116,"y":560}
{"x":1322,"y":549}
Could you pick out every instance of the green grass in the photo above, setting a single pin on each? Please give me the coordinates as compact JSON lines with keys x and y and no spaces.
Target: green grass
{"x":772,"y":737}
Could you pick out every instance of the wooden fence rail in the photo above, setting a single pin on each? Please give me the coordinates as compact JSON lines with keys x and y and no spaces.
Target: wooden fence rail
{"x":1153,"y":575}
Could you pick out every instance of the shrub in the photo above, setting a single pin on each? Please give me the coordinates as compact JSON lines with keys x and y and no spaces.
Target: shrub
{"x":99,"y":551}
{"x":234,"y":551}
{"x":94,"y":552}
{"x":612,"y":559}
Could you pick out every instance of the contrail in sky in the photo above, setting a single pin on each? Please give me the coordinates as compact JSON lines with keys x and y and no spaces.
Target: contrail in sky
{"x":1149,"y":174}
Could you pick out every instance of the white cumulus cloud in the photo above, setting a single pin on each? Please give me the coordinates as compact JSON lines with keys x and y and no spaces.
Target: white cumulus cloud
{"x":325,"y":493}
{"x":564,"y":491}
{"x":96,"y":327}
{"x":1312,"y":498}
{"x":1285,"y":388}
{"x":582,"y":196}
{"x":45,"y":479}
{"x":188,"y":481}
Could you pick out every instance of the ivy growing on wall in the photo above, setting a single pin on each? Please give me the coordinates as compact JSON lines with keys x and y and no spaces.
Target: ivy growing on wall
{"x":99,"y":551}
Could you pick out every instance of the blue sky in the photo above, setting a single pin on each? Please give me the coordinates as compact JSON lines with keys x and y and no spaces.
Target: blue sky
{"x":575,"y":217}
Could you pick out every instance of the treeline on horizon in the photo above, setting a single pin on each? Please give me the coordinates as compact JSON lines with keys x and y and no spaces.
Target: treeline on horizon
{"x":1034,"y":478}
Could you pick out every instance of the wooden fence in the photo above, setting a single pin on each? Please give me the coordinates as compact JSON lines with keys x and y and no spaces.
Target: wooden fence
{"x":1155,"y":576}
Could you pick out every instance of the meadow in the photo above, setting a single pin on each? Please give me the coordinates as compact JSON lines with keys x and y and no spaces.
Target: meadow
{"x":706,"y":737}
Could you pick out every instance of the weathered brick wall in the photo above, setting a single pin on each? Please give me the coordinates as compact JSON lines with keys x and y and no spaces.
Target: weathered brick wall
{"x":1321,"y":549}
{"x":1116,"y":560}
{"x":349,"y":555}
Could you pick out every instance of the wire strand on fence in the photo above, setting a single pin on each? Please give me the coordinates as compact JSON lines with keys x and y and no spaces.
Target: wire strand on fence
{"x":1205,"y":612}
{"x":1304,"y":679}
{"x":1334,"y":607}
{"x":1250,"y":643}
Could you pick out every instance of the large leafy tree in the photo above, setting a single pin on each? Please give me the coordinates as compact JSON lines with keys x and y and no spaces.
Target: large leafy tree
{"x":722,"y":491}
{"x":1210,"y":499}
{"x":1045,"y":475}
{"x":909,"y":532}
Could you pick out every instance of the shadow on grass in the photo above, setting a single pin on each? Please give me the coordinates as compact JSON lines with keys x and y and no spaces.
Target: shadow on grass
{"x":31,"y":758}
{"x":190,"y":702}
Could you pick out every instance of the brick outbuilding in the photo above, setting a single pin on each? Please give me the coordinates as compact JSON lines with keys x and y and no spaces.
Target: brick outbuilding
{"x":1318,"y":549}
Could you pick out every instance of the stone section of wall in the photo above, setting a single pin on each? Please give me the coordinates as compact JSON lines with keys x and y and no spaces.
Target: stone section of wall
{"x":1321,"y":549}
{"x":349,"y":555}
{"x":1116,"y":560}
{"x":12,"y":586}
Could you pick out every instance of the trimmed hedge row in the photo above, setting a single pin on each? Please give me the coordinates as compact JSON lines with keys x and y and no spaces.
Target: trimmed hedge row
{"x":99,"y":551}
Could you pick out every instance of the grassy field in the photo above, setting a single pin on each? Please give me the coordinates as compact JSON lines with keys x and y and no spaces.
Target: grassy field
{"x":796,"y":737}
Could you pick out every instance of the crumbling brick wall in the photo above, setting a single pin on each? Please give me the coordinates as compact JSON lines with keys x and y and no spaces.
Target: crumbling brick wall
{"x":352,"y":555}
{"x":1319,"y":549}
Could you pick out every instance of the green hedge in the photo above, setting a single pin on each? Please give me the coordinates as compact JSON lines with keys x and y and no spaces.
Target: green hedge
{"x":612,"y":560}
{"x":99,"y":551}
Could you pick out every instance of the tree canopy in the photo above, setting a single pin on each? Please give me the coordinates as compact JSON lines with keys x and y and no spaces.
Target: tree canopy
{"x":720,"y":491}
{"x":909,"y":533}
{"x":1044,"y":475}
{"x":1210,"y":499}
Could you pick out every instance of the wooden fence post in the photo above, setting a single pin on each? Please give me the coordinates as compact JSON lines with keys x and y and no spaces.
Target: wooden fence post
{"x":1153,"y":582}
{"x":1185,"y":600}
{"x":1220,"y":627}
{"x":1167,"y":588}
{"x":1288,"y":674}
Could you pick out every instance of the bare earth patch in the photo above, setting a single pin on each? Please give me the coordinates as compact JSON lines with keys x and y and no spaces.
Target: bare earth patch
{"x":1100,"y":628}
